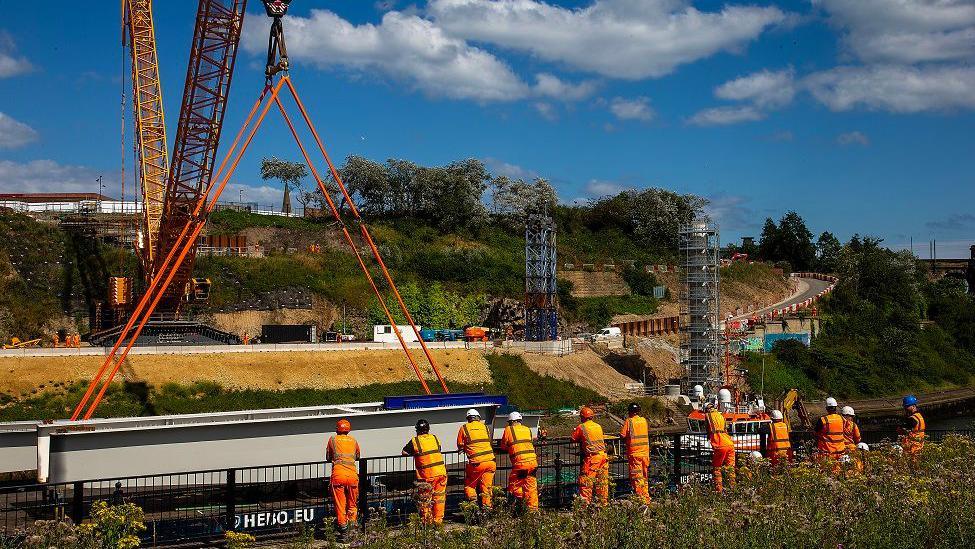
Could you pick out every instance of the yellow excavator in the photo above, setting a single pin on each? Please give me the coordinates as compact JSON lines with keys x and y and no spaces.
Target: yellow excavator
{"x":792,"y":401}
{"x":16,"y":343}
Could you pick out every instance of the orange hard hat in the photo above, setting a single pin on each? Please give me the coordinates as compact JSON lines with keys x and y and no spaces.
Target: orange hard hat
{"x":586,"y":412}
{"x":343,"y":426}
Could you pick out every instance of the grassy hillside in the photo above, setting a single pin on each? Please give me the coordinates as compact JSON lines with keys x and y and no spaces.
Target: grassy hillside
{"x":886,"y":329}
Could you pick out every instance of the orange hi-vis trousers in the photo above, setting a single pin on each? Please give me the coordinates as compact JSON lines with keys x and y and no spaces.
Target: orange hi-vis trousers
{"x":479,"y":479}
{"x":523,"y":485}
{"x":638,"y":477}
{"x":431,"y":496}
{"x":595,"y":477}
{"x":723,"y":458}
{"x":345,"y":495}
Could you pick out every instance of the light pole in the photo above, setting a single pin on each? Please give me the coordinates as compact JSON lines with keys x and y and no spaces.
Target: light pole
{"x":100,"y":187}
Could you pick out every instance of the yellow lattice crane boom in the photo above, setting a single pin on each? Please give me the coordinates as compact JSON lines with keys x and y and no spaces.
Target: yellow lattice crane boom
{"x":150,"y":123}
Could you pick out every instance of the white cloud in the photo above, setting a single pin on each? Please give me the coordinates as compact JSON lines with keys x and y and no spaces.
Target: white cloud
{"x":15,"y":134}
{"x":765,"y":89}
{"x":905,"y":31}
{"x":723,"y":116}
{"x":403,"y":47}
{"x":631,"y":109}
{"x":10,"y":63}
{"x":597,"y":188}
{"x":895,"y":88}
{"x":547,"y":111}
{"x":732,"y":212}
{"x":552,"y":86}
{"x":39,"y":176}
{"x":853,"y":138}
{"x":631,"y":39}
{"x":263,"y":195}
{"x":499,"y":167}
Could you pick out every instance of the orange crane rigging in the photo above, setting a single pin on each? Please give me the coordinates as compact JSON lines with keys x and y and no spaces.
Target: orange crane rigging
{"x":193,"y":188}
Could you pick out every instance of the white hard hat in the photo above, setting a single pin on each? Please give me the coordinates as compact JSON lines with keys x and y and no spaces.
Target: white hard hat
{"x":830,"y":401}
{"x":473,"y":413}
{"x":848,"y":411}
{"x":863,"y":446}
{"x":698,"y":391}
{"x":776,"y":414}
{"x":755,"y":455}
{"x":514,"y":416}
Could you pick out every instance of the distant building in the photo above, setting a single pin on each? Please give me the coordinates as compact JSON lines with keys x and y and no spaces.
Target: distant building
{"x":67,"y":203}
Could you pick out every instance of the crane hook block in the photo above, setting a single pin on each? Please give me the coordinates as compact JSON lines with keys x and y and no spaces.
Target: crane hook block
{"x":276,"y":8}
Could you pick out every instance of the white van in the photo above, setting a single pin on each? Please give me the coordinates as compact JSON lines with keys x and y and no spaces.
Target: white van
{"x":608,"y":333}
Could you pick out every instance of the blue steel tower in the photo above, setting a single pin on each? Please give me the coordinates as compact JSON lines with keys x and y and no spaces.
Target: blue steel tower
{"x":541,"y":311}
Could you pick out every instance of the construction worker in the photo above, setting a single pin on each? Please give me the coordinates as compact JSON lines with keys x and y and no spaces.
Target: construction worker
{"x":431,"y":473}
{"x":829,"y":434}
{"x":851,"y":431}
{"x":342,"y":451}
{"x":779,"y":443}
{"x":722,"y":447}
{"x":474,"y":441}
{"x":635,"y":433}
{"x":595,"y":465}
{"x":912,"y":429}
{"x":517,"y":442}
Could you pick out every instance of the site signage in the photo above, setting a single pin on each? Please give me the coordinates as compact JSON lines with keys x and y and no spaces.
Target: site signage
{"x":278,"y":517}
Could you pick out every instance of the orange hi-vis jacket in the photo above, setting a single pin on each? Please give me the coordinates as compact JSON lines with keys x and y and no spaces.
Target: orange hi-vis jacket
{"x":718,"y":435}
{"x":473,"y":439}
{"x":517,"y":441}
{"x":636,"y":433}
{"x":779,"y":439}
{"x":830,"y":435}
{"x":343,"y":452}
{"x":916,"y":434}
{"x":590,"y":434}
{"x":851,"y":434}
{"x":427,"y":457}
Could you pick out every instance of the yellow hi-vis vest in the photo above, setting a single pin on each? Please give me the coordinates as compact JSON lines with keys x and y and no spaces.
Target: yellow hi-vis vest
{"x":427,"y":457}
{"x":594,"y":442}
{"x":477,"y":444}
{"x":637,"y":437}
{"x":519,"y":445}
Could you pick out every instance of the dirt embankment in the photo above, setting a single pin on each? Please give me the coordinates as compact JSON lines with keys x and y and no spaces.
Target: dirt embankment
{"x":281,"y":370}
{"x":584,"y":368}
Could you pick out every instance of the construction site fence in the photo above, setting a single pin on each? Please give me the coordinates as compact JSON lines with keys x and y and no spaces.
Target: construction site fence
{"x":282,"y":500}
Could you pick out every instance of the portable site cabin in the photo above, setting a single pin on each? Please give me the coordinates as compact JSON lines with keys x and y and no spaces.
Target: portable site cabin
{"x":384,"y":333}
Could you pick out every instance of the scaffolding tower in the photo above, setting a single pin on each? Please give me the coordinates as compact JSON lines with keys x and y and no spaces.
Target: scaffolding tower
{"x":699,"y":305}
{"x":541,"y":311}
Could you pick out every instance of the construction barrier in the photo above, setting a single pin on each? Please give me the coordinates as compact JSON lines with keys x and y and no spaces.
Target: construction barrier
{"x":649,"y":326}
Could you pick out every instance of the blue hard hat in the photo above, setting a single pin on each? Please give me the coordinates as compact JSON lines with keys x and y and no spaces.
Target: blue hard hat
{"x":910,"y":400}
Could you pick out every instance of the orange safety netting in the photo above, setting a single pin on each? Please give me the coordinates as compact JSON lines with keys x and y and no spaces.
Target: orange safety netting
{"x":207,"y":202}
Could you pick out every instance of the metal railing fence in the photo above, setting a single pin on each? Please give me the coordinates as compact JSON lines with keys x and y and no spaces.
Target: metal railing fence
{"x":281,"y":499}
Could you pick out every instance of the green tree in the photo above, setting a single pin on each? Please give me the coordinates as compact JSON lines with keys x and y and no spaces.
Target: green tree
{"x":768,"y":243}
{"x":828,"y":250}
{"x":441,"y":306}
{"x":291,"y":174}
{"x":795,"y":242}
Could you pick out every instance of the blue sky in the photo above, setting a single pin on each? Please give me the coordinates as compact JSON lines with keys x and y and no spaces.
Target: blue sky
{"x":760,"y":106}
